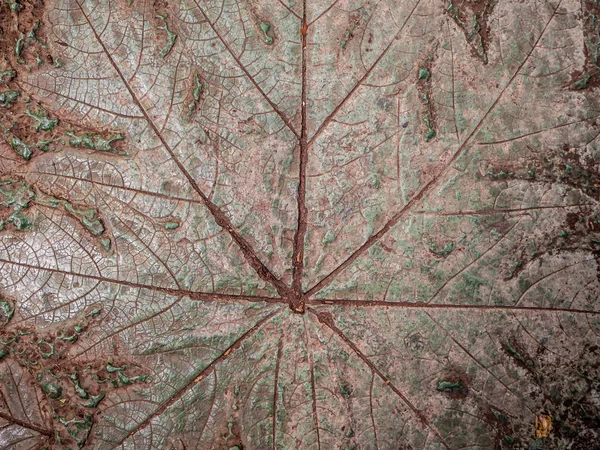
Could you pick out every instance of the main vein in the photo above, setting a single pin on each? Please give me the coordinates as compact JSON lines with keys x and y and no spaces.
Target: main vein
{"x":298,"y":253}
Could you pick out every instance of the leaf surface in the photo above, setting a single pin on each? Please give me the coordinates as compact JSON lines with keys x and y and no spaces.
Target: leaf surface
{"x":285,"y":224}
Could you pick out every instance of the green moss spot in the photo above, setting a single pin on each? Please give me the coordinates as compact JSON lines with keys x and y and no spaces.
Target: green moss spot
{"x":443,"y":252}
{"x":43,"y":122}
{"x":7,"y":311}
{"x":94,"y":141}
{"x":105,"y":243}
{"x":196,"y":93}
{"x":171,"y":225}
{"x":94,"y":312}
{"x":266,"y":27}
{"x":198,"y":86}
{"x":112,"y":369}
{"x":80,"y":391}
{"x":430,"y":133}
{"x":6,"y":76}
{"x":7,"y":98}
{"x":44,"y":144}
{"x":171,"y":36}
{"x":451,"y":386}
{"x":46,"y":348}
{"x":52,"y":389}
{"x":126,"y":381}
{"x":19,"y":46}
{"x":21,"y":148}
{"x":94,"y":401}
{"x":424,"y":74}
{"x":13,"y":5}
{"x":87,"y":217}
{"x":345,"y":389}
{"x":33,"y":32}
{"x":20,"y":222}
{"x":328,"y":238}
{"x":3,"y":352}
{"x":514,"y":352}
{"x":582,"y":83}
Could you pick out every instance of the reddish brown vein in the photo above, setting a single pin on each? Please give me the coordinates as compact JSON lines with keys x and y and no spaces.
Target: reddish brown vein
{"x":24,"y":424}
{"x":219,"y":216}
{"x":327,"y":320}
{"x":193,"y":295}
{"x":430,"y":185}
{"x":276,"y":391}
{"x":533,"y":133}
{"x":198,"y":377}
{"x":441,"y":307}
{"x":298,"y":252}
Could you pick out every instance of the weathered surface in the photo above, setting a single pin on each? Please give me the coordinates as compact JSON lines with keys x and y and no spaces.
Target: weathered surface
{"x":299,"y":224}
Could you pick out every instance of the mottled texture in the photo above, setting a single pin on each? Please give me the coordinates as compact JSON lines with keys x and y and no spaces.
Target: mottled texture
{"x":286,"y":224}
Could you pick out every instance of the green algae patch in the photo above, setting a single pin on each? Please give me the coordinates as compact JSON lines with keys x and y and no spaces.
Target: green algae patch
{"x":6,"y":76}
{"x":448,"y":248}
{"x":43,"y":122}
{"x":265,"y":27}
{"x":19,"y":47}
{"x":7,"y":98}
{"x":86,"y":216}
{"x":94,"y":141}
{"x":17,"y":196}
{"x":197,"y":90}
{"x":7,"y":311}
{"x":21,"y":148}
{"x":171,"y":36}
{"x":14,"y":5}
{"x":112,"y":369}
{"x":53,"y":390}
{"x":451,"y":386}
{"x":94,"y":401}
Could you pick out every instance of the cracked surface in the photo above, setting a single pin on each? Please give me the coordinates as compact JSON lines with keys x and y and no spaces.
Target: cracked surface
{"x":323,"y":224}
